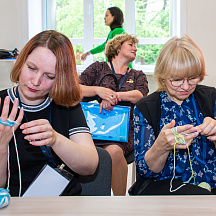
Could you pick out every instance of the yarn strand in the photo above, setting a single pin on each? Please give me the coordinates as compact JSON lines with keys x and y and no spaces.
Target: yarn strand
{"x":179,"y":139}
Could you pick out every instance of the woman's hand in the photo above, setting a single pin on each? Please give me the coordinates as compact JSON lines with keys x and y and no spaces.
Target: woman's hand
{"x":6,"y":132}
{"x":157,"y":155}
{"x":208,"y":128}
{"x":84,"y":56}
{"x":105,"y":105}
{"x":109,"y":95}
{"x":104,"y":93}
{"x":166,"y":139}
{"x":39,"y":132}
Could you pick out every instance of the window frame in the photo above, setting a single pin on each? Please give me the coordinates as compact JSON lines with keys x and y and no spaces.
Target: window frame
{"x":177,"y":21}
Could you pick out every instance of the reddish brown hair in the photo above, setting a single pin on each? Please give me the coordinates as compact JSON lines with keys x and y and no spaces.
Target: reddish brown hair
{"x":65,"y":90}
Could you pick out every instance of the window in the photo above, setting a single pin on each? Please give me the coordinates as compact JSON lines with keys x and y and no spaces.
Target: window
{"x":152,"y":21}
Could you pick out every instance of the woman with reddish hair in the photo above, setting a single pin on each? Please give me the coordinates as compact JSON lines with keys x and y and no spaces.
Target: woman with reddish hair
{"x":49,"y":125}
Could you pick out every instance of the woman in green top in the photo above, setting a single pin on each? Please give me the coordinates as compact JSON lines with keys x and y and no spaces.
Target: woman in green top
{"x":114,"y":19}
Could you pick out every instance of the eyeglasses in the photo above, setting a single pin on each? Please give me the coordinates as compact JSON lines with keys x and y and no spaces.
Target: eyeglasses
{"x":191,"y":81}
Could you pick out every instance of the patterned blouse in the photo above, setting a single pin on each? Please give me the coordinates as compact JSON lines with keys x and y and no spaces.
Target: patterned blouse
{"x":202,"y":151}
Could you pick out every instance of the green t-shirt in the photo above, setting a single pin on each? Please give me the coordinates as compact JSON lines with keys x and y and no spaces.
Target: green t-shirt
{"x":112,"y":34}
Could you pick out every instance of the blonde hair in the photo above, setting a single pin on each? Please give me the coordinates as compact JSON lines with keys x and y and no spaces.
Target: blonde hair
{"x":179,"y":58}
{"x":114,"y":44}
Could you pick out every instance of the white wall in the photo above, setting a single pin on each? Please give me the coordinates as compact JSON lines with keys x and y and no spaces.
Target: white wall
{"x":13,"y":24}
{"x":14,"y":34}
{"x":201,"y":27}
{"x":35,"y":17}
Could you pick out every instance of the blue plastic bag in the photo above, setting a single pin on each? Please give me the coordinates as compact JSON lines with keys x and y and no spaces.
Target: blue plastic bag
{"x":112,"y":126}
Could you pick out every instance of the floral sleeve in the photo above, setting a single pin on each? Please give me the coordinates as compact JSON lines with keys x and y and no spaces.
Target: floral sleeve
{"x":215,"y":111}
{"x":144,"y":138}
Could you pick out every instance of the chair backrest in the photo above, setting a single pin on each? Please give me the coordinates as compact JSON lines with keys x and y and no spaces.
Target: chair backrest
{"x":98,"y":184}
{"x":140,"y":185}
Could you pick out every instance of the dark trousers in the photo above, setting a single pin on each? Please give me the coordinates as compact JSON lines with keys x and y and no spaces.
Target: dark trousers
{"x":163,"y":188}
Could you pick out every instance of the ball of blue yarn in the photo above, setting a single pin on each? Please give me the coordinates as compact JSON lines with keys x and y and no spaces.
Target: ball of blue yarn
{"x":4,"y":197}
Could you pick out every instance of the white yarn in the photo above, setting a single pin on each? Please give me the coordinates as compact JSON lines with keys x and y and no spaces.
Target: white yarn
{"x":20,"y":180}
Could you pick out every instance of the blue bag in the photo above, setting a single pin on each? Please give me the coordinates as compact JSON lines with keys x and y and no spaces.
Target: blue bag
{"x":112,"y":126}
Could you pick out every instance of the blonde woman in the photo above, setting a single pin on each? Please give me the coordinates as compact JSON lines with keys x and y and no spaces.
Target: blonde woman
{"x":175,"y":127}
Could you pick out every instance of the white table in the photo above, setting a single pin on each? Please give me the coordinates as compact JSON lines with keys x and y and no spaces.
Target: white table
{"x":139,"y":205}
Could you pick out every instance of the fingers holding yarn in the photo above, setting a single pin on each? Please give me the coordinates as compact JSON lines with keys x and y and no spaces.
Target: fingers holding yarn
{"x":179,"y":139}
{"x":208,"y":128}
{"x":14,"y":110}
{"x":5,"y":109}
{"x":185,"y":129}
{"x":183,"y":138}
{"x":10,"y":120}
{"x":39,"y":132}
{"x":13,"y":113}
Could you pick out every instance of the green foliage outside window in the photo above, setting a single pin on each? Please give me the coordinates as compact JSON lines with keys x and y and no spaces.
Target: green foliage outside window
{"x":147,"y":54}
{"x":69,"y":18}
{"x":151,"y":21}
{"x":100,"y":7}
{"x":152,"y":18}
